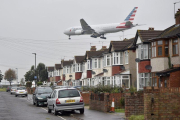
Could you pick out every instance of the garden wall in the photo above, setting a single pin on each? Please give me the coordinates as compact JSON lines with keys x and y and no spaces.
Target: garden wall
{"x":86,"y":97}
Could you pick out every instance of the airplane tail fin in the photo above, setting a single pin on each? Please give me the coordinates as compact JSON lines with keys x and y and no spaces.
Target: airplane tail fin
{"x":130,"y":18}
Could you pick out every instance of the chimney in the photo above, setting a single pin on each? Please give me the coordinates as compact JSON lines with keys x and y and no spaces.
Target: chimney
{"x":93,"y":48}
{"x":177,"y":17}
{"x":151,"y":29}
{"x":103,"y":48}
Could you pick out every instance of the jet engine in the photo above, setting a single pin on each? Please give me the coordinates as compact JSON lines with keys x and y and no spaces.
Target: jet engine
{"x":79,"y":32}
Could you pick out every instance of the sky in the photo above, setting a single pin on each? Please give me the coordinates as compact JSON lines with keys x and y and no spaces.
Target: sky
{"x":37,"y":26}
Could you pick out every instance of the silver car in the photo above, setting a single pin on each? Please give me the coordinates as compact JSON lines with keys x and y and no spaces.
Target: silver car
{"x":20,"y":91}
{"x":65,"y":99}
{"x":13,"y":90}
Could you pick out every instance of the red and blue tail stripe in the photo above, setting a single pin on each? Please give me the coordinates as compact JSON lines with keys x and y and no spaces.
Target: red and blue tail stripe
{"x":131,"y":16}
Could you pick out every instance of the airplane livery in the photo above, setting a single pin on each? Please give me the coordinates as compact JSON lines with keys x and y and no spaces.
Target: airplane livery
{"x":100,"y":30}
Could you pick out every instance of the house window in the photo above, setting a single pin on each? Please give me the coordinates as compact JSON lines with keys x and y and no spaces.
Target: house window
{"x":154,"y":79}
{"x":104,"y":61}
{"x":73,"y":68}
{"x":144,"y":80}
{"x":125,"y":81}
{"x":175,"y":47}
{"x":108,"y":81}
{"x":83,"y":69}
{"x":88,"y":64}
{"x":143,"y":51}
{"x":99,"y":63}
{"x":108,"y":60}
{"x":126,"y":57}
{"x":121,"y":58}
{"x":116,"y":58}
{"x":153,"y":49}
{"x":95,"y":63}
{"x":160,"y":46}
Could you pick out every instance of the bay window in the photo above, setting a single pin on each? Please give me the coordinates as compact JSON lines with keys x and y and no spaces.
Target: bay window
{"x":144,"y":80}
{"x":78,"y":67}
{"x":88,"y":64}
{"x":123,"y":81}
{"x":108,"y":58}
{"x":117,"y":58}
{"x":95,"y":63}
{"x":143,"y":51}
{"x":175,"y":47}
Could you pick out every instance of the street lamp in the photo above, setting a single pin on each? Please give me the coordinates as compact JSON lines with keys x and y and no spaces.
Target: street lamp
{"x":17,"y":74}
{"x":174,"y":9}
{"x":35,"y":77}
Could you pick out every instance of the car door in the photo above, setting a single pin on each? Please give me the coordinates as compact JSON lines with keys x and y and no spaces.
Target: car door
{"x":34,"y":95}
{"x":53,"y":98}
{"x":50,"y":104}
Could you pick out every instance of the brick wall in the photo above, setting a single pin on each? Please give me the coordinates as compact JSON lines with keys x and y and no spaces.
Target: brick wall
{"x":115,"y":69}
{"x":166,"y":103}
{"x":134,"y":104}
{"x":142,"y":65}
{"x":174,"y":79}
{"x":78,"y":75}
{"x":57,"y":78}
{"x":86,"y":97}
{"x":89,"y":73}
{"x":64,"y":77}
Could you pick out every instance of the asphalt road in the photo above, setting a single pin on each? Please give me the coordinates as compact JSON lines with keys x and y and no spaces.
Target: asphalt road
{"x":21,"y":108}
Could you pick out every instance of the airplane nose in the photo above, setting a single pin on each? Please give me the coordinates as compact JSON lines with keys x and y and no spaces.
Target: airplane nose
{"x":65,"y":32}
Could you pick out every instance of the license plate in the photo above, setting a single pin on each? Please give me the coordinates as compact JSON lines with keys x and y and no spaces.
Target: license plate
{"x":21,"y":92}
{"x":70,"y":101}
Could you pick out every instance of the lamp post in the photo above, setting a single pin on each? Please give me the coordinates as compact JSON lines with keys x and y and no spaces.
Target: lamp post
{"x":35,"y":77}
{"x":17,"y":74}
{"x":174,"y":8}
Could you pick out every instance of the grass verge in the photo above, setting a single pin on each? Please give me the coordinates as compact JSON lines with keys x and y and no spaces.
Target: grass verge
{"x":2,"y":89}
{"x":119,"y":110}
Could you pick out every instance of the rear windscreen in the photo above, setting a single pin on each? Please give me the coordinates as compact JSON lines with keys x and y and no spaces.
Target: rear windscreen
{"x":19,"y":88}
{"x":68,"y":93}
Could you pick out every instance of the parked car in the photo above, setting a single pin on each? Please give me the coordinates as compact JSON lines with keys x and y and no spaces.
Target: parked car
{"x":13,"y":90}
{"x":8,"y":88}
{"x":58,"y":87}
{"x":20,"y":91}
{"x":40,"y":95}
{"x":64,"y":99}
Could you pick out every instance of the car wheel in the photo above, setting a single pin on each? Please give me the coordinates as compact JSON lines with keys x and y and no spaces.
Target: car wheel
{"x":55,"y":112}
{"x":34,"y":103}
{"x":11,"y":93}
{"x":37,"y":104}
{"x":15,"y":95}
{"x":49,"y":110}
{"x":81,"y":111}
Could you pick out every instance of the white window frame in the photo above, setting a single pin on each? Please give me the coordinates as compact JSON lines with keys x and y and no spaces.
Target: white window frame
{"x":126,"y":54}
{"x":108,"y":57}
{"x":143,"y":80}
{"x":88,"y":64}
{"x":143,"y":51}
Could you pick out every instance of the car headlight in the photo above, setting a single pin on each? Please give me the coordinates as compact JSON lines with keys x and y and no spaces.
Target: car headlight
{"x":39,"y":98}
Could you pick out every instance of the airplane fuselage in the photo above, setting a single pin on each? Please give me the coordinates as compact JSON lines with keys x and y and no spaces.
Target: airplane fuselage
{"x":100,"y":29}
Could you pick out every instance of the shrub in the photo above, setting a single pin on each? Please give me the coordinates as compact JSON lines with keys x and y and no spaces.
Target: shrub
{"x":132,"y":89}
{"x":122,"y":102}
{"x":136,"y":117}
{"x":51,"y":84}
{"x":39,"y":83}
{"x":28,"y":84}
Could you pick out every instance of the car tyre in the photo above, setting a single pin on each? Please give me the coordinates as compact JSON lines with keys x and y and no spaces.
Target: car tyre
{"x":55,"y":112}
{"x":34,"y":103}
{"x":11,"y":93}
{"x":37,"y":104}
{"x":81,"y":111}
{"x":49,"y":110}
{"x":15,"y":95}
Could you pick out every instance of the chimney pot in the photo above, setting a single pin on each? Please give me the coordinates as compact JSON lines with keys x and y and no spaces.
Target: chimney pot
{"x":93,"y":48}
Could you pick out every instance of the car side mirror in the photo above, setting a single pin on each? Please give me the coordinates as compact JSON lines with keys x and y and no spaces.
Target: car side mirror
{"x":48,"y":96}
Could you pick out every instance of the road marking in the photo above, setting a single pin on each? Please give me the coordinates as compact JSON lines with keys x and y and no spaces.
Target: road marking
{"x":43,"y":108}
{"x":61,"y":117}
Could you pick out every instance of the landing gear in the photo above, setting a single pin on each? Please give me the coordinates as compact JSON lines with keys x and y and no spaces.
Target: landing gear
{"x":69,"y":37}
{"x":93,"y":36}
{"x":102,"y":37}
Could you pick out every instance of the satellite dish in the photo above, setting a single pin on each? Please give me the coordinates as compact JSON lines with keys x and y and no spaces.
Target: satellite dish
{"x":148,"y":67}
{"x":93,"y":72}
{"x":122,"y":67}
{"x":137,"y":60}
{"x":105,"y":70}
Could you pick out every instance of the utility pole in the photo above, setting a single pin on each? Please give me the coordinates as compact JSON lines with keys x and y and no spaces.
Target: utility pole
{"x":17,"y":74}
{"x":35,"y":77}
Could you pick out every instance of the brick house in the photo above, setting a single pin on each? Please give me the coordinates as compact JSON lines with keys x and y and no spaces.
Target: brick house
{"x":143,"y":56}
{"x":123,"y":67}
{"x":165,"y":59}
{"x":57,"y":77}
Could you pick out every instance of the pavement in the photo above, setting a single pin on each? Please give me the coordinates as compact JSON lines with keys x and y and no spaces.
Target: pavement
{"x":22,"y":108}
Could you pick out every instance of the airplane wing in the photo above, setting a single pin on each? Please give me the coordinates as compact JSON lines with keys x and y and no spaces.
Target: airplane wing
{"x":86,"y":28}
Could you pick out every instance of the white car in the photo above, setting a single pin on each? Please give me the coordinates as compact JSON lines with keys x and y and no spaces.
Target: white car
{"x":20,"y":91}
{"x":13,"y":90}
{"x":65,"y":99}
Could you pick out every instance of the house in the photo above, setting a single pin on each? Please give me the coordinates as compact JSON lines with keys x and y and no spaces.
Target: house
{"x":165,"y":60}
{"x":50,"y":71}
{"x":143,"y":56}
{"x":57,"y":77}
{"x":123,"y":65}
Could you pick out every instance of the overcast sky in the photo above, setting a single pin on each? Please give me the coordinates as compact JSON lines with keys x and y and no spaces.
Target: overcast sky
{"x":36,"y":26}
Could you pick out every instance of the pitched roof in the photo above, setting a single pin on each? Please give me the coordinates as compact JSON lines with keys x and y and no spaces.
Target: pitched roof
{"x":148,"y":34}
{"x":66,"y":63}
{"x":171,"y":31}
{"x":91,"y":54}
{"x":79,"y":59}
{"x":50,"y":68}
{"x":121,"y":45}
{"x":58,"y":66}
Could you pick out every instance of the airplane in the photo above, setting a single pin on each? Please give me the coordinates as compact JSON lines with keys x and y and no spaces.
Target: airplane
{"x":100,"y":30}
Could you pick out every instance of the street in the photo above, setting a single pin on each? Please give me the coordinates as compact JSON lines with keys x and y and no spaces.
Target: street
{"x":21,"y":108}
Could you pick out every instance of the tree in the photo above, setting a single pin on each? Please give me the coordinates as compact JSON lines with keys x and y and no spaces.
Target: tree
{"x":1,"y":76}
{"x":42,"y":73}
{"x":29,"y":76}
{"x":22,"y":82}
{"x":10,"y":75}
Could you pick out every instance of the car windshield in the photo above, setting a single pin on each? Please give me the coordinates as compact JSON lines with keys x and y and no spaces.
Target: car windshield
{"x":23,"y":88}
{"x":68,"y":93}
{"x":44,"y":90}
